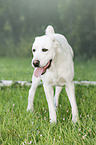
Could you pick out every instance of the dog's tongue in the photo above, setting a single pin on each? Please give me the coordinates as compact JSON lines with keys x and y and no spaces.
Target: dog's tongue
{"x":38,"y":71}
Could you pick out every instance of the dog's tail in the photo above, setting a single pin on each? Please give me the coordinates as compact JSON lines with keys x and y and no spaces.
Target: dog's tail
{"x":49,"y":30}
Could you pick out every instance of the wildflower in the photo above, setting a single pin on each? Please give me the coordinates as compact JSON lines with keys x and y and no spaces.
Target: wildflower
{"x":43,"y":108}
{"x":84,"y":136}
{"x":30,"y":142}
{"x":60,"y":105}
{"x":59,"y":136}
{"x":87,"y":115}
{"x":38,"y":131}
{"x":40,"y":135}
{"x":67,"y":111}
{"x":63,"y":118}
{"x":80,"y":116}
{"x":45,"y":111}
{"x":44,"y":118}
{"x":13,"y":105}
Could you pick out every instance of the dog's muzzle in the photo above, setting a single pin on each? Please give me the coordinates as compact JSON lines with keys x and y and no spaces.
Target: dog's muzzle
{"x":36,"y":63}
{"x":40,"y":70}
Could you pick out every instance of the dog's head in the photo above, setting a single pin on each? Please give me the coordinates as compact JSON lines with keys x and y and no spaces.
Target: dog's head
{"x":43,"y":53}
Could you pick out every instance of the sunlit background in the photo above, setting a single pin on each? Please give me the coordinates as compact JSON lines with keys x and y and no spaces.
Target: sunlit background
{"x":22,"y":20}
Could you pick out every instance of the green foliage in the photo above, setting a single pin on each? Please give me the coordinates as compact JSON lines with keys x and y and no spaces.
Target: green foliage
{"x":21,"y":127}
{"x":21,"y":21}
{"x":79,"y":25}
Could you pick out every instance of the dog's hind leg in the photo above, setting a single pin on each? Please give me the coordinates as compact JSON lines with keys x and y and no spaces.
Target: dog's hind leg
{"x":71,"y":95}
{"x":35,"y":83}
{"x":56,"y":98}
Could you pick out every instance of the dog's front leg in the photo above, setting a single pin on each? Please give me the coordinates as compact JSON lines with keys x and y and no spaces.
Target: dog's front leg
{"x":71,"y":95}
{"x":35,"y":83}
{"x":49,"y":96}
{"x":56,"y":97}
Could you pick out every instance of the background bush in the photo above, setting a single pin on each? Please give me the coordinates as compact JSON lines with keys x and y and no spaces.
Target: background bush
{"x":21,"y":21}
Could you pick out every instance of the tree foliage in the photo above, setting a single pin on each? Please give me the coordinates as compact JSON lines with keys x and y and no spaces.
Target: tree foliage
{"x":21,"y":21}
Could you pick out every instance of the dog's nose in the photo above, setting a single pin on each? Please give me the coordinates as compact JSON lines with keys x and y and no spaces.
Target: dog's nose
{"x":36,"y":63}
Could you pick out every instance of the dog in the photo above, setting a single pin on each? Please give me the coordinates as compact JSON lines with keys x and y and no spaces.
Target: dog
{"x":53,"y":63}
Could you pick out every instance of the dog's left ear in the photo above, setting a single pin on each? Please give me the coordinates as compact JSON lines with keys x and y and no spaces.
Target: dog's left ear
{"x":55,"y":42}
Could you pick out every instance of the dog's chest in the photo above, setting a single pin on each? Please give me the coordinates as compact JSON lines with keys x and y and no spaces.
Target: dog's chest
{"x":53,"y":79}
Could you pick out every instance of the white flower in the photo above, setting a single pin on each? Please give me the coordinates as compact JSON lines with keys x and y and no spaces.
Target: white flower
{"x":60,"y":105}
{"x":30,"y":142}
{"x":41,"y":135}
{"x":84,"y":136}
{"x":59,"y":136}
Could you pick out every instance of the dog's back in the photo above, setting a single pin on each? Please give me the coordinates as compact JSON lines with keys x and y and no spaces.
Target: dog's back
{"x":60,"y":38}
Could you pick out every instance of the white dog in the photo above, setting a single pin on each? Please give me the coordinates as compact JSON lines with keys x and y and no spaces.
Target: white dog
{"x":53,"y":62}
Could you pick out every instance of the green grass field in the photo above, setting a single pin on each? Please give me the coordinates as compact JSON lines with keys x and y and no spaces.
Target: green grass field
{"x":19,"y":127}
{"x":21,"y":69}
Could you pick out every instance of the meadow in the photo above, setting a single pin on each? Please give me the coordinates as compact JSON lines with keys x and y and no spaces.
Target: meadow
{"x":19,"y":127}
{"x":21,"y":69}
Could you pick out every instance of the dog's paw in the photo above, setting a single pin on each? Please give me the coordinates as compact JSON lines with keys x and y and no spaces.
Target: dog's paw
{"x":53,"y":121}
{"x":30,"y":109}
{"x":75,"y":119}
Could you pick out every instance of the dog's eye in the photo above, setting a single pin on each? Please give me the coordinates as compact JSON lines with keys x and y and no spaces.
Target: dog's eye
{"x":44,"y":49}
{"x":34,"y":50}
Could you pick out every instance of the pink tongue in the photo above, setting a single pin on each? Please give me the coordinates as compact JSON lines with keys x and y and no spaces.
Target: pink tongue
{"x":38,"y":71}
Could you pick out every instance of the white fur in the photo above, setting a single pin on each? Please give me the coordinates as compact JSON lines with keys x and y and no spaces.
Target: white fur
{"x":60,"y":73}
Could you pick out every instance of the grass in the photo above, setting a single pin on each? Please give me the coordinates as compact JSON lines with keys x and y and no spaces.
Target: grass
{"x":21,"y":69}
{"x":85,"y":70}
{"x":19,"y":127}
{"x":15,"y":69}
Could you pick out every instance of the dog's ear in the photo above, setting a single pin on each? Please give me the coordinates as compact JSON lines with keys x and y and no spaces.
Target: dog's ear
{"x":36,"y":38}
{"x":55,"y":42}
{"x":49,"y":30}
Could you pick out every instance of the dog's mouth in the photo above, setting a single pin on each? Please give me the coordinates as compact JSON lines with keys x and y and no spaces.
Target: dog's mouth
{"x":41,"y":70}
